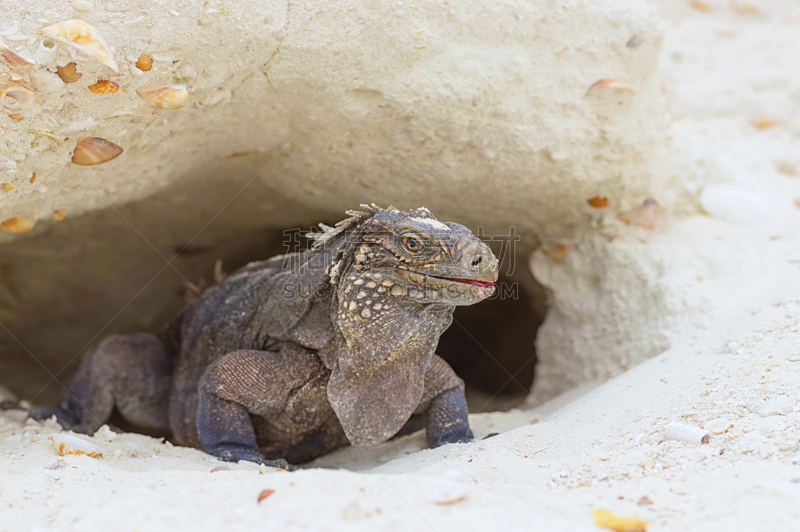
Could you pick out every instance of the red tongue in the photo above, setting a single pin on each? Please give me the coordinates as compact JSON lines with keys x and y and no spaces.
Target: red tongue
{"x":485,"y":284}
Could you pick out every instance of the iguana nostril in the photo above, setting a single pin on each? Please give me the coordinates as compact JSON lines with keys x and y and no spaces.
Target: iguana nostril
{"x":477,"y":261}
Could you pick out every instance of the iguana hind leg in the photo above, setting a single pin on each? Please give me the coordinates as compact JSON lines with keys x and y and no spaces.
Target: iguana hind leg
{"x":131,"y":372}
{"x":245,"y":383}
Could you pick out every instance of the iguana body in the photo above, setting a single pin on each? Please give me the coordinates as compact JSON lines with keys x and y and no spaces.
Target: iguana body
{"x":292,"y":357}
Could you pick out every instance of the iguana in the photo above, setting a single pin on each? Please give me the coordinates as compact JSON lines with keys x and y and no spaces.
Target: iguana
{"x":292,"y":357}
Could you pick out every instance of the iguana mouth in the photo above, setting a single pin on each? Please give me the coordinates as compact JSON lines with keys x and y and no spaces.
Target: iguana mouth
{"x":485,"y":284}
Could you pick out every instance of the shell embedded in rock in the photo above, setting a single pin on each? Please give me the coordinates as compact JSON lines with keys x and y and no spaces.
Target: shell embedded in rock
{"x":165,"y":97}
{"x":17,"y":98}
{"x":94,"y":150}
{"x":700,"y":6}
{"x":645,"y":215}
{"x":598,"y":201}
{"x":763,"y":122}
{"x":144,"y":63}
{"x":7,"y":55}
{"x":85,"y":37}
{"x":47,"y":51}
{"x":69,"y":73}
{"x":558,"y":251}
{"x":69,"y":444}
{"x":610,"y":84}
{"x":82,"y":5}
{"x":104,"y":87}
{"x":17,"y":224}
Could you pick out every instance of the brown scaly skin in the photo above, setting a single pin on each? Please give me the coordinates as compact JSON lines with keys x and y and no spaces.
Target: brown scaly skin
{"x":290,"y":358}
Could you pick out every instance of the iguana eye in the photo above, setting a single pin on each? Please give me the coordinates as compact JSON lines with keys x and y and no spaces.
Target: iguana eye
{"x":412,"y":244}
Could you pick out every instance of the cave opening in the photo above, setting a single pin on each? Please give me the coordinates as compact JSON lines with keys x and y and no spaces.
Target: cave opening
{"x":490,"y":345}
{"x":115,"y":282}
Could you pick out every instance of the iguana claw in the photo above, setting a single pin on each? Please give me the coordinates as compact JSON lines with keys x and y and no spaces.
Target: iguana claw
{"x":248,"y":455}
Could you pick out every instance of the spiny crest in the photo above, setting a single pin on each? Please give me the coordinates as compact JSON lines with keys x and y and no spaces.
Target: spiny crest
{"x":422,"y":212}
{"x":328,"y":233}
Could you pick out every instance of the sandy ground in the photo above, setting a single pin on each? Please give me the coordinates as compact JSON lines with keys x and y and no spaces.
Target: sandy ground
{"x":736,"y":374}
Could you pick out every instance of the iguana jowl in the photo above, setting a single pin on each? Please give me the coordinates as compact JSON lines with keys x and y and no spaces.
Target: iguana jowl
{"x":295,"y":356}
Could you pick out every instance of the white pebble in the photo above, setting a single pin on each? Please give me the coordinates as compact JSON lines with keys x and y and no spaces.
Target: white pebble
{"x":105,"y":434}
{"x":772,"y":424}
{"x":686,"y":433}
{"x":82,"y":5}
{"x":52,"y":423}
{"x":734,"y":204}
{"x":81,"y":125}
{"x":162,"y":56}
{"x":10,"y":30}
{"x":777,"y":406}
{"x":718,"y":426}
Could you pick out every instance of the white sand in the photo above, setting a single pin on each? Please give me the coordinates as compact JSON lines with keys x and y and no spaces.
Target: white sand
{"x":721,"y":70}
{"x":604,"y":451}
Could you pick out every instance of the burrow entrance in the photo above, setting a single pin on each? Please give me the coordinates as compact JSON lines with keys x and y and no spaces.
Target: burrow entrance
{"x":70,"y":285}
{"x":490,"y":345}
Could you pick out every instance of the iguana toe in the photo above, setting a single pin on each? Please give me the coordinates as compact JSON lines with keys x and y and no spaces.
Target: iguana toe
{"x":453,"y":437}
{"x":9,"y":404}
{"x":280,"y":463}
{"x":42,"y":413}
{"x":231,"y":454}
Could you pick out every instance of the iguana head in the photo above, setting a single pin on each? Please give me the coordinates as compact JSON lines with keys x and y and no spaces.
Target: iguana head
{"x":396,"y":278}
{"x":410,"y":257}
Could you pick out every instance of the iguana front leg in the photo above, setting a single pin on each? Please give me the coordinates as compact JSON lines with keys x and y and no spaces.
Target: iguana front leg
{"x":240,"y":384}
{"x":444,"y":406}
